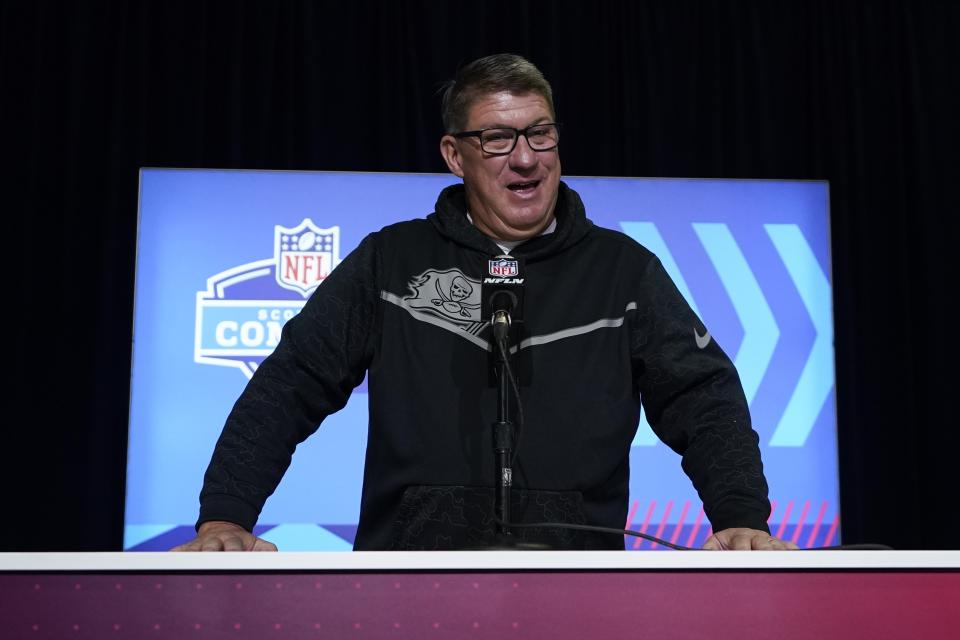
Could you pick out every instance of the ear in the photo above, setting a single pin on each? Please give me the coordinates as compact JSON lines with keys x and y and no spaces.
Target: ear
{"x":451,"y":155}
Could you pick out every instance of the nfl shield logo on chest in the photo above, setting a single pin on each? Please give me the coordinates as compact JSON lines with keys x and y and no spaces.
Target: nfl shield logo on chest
{"x":503,"y":267}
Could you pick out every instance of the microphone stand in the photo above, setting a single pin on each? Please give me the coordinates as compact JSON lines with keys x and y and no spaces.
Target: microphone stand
{"x":502,"y":431}
{"x":503,"y":443}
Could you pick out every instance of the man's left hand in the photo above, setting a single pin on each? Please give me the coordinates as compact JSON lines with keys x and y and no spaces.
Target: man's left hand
{"x":746,"y":540}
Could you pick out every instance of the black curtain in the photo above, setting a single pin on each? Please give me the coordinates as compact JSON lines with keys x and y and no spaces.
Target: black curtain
{"x":863,"y":94}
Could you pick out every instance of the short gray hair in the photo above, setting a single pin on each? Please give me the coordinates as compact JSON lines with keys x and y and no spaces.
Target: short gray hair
{"x":492,"y":74}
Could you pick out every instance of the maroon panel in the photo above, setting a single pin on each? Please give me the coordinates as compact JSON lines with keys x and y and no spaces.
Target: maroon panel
{"x":562,"y":605}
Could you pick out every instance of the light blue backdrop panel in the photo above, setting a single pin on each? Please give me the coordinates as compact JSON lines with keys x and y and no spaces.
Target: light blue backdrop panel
{"x":226,"y":257}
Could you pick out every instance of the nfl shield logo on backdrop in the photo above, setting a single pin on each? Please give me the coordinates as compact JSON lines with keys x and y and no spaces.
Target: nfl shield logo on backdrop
{"x":305,"y":255}
{"x":503,"y":267}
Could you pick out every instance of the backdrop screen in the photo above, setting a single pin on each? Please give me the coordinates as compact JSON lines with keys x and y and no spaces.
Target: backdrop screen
{"x":223,"y":262}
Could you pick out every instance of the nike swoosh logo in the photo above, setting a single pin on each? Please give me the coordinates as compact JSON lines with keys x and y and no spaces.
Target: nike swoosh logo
{"x":702,"y":341}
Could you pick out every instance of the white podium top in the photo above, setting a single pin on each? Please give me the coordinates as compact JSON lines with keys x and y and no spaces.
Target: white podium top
{"x":466,"y":561}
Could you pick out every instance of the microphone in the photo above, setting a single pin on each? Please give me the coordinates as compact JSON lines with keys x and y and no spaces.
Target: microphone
{"x":501,"y":294}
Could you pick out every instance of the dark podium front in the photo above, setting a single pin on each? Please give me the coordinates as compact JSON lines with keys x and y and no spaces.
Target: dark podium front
{"x":556,"y":595}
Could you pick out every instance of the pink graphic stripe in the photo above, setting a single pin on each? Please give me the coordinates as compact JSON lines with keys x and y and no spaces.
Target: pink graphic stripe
{"x":773,"y":509}
{"x":646,"y":523}
{"x":816,"y":526}
{"x":833,"y":531}
{"x":633,"y":512}
{"x":696,"y":527}
{"x":663,"y":523}
{"x":783,"y":523}
{"x":683,"y":516}
{"x":803,"y":517}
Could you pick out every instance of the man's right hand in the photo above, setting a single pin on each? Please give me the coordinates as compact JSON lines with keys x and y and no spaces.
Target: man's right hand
{"x":217,"y":535}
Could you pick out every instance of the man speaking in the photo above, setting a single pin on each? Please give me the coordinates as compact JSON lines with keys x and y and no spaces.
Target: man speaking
{"x":603,"y":330}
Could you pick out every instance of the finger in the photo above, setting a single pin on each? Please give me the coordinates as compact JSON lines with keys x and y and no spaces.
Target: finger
{"x":212,"y":543}
{"x":187,"y":546}
{"x":712,"y":544}
{"x":233,"y":543}
{"x":769,"y":543}
{"x":741,"y":542}
{"x":264,"y":545}
{"x":784,"y":545}
{"x":773,"y":544}
{"x":762,"y":542}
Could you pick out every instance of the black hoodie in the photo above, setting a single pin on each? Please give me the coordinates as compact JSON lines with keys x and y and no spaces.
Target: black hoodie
{"x":604,"y":327}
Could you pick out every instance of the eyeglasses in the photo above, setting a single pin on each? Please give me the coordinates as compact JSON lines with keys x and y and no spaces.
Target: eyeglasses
{"x":501,"y":141}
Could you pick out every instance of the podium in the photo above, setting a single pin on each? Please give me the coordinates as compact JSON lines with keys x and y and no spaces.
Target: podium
{"x":557,"y":595}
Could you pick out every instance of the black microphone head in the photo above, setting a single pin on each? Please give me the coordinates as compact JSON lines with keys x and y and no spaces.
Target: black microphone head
{"x":503,"y":300}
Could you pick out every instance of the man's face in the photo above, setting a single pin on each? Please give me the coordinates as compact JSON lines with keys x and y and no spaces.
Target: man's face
{"x":510,"y":197}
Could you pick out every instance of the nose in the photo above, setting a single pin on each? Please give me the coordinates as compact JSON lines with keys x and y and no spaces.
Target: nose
{"x":522,"y":155}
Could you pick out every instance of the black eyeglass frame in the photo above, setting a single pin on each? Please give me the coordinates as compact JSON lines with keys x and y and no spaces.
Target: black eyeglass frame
{"x":516,"y":136}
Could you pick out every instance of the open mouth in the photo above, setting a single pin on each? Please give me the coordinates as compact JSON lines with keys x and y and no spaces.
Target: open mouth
{"x":523,"y":187}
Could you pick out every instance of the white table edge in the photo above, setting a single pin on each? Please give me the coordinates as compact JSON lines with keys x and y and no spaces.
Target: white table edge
{"x":466,"y":561}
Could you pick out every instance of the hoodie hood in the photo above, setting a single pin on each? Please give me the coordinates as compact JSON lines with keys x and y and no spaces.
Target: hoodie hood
{"x":450,"y":219}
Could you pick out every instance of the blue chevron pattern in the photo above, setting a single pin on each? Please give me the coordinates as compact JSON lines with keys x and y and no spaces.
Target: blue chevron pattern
{"x":760,"y":329}
{"x":817,"y":378}
{"x":761,"y":332}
